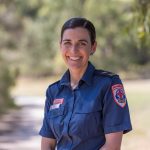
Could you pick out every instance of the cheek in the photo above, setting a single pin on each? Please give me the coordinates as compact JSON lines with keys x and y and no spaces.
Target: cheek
{"x":62,"y":49}
{"x":87,"y":53}
{"x":63,"y":53}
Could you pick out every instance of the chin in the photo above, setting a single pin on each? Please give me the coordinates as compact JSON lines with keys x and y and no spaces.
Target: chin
{"x":76,"y":66}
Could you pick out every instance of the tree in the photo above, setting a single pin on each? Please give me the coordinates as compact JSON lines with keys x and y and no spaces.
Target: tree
{"x":8,"y":40}
{"x":140,"y":31}
{"x":32,"y":32}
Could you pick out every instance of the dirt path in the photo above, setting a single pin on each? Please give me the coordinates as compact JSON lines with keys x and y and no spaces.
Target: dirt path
{"x":19,"y":129}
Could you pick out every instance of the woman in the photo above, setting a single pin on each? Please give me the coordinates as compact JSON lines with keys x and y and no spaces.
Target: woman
{"x":87,"y":108}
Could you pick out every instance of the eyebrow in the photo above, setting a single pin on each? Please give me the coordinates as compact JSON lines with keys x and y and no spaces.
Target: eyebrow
{"x":81,"y":40}
{"x":66,"y":40}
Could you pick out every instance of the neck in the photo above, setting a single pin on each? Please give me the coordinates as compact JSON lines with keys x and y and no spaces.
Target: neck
{"x":75,"y":76}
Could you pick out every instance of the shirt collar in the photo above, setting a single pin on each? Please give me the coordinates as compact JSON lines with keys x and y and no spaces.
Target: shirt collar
{"x":65,"y":80}
{"x":87,"y":76}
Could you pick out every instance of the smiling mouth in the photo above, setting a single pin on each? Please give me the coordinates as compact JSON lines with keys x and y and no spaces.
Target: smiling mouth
{"x":74,"y":58}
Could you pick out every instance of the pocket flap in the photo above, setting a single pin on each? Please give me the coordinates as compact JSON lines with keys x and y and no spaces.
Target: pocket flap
{"x":85,"y":109}
{"x":56,"y":112}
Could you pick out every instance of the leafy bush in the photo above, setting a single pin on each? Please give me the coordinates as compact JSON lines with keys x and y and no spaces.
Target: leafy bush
{"x":7,"y":80}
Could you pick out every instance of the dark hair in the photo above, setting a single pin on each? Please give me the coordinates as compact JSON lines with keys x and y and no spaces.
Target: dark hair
{"x":80,"y":22}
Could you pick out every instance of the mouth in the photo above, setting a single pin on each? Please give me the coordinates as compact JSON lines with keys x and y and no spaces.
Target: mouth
{"x":74,"y":58}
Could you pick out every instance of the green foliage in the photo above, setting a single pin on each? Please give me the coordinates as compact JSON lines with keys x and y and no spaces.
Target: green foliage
{"x":110,"y":23}
{"x":32,"y":29}
{"x":7,"y":80}
{"x":140,"y":31}
{"x":9,"y":34}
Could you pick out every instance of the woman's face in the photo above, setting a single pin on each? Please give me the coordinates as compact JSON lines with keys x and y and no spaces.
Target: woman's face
{"x":76,"y":48}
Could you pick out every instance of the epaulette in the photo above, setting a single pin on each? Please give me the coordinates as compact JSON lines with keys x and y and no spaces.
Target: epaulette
{"x":105,"y":73}
{"x":54,"y":83}
{"x":54,"y":88}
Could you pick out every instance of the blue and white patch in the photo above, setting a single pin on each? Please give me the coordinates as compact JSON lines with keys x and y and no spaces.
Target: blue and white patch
{"x":119,"y":95}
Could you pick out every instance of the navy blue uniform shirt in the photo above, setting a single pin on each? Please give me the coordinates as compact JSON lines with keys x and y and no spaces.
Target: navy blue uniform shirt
{"x":79,"y":119}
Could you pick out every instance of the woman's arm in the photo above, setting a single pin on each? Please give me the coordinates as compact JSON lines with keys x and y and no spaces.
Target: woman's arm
{"x":48,"y":143}
{"x":113,"y":141}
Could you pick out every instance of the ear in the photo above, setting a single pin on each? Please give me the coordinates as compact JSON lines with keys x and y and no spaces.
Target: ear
{"x":93,"y":48}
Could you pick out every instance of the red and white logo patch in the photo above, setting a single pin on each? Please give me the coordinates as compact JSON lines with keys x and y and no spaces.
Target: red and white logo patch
{"x":58,"y":101}
{"x":119,"y":95}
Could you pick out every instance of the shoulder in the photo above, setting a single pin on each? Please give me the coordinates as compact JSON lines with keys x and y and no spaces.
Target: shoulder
{"x":106,"y":77}
{"x":105,"y":74}
{"x":53,"y":87}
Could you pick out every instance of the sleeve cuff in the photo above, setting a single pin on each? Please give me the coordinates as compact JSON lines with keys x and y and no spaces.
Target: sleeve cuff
{"x":119,"y":128}
{"x":45,"y":134}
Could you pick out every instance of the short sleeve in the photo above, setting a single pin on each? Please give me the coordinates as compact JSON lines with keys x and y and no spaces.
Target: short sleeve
{"x":45,"y":130}
{"x":116,"y":116}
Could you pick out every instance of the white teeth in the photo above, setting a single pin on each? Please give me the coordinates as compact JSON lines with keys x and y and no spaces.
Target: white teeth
{"x":74,"y":58}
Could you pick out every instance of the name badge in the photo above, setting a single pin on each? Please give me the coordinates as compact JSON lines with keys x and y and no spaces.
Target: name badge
{"x":56,"y":103}
{"x":54,"y":106}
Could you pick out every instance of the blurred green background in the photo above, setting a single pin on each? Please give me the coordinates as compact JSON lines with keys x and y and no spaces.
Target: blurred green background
{"x":29,"y":49}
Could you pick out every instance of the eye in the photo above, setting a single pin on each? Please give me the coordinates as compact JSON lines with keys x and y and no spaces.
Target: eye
{"x":82,"y":44}
{"x":66,"y":43}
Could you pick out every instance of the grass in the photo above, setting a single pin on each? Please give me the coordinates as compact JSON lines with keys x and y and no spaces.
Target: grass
{"x":32,"y":86}
{"x":138,"y":94}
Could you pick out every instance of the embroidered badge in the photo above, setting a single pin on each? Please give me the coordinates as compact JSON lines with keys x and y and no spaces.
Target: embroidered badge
{"x":54,"y":106}
{"x":119,"y":95}
{"x":58,"y":101}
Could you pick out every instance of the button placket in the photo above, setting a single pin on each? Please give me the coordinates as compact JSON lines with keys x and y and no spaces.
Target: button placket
{"x":71,"y":110}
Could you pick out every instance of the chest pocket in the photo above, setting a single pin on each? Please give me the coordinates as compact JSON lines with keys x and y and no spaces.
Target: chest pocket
{"x":56,"y":112}
{"x":88,"y":120}
{"x":88,"y":108}
{"x":56,"y":117}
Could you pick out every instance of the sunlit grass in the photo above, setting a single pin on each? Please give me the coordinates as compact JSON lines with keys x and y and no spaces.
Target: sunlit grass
{"x":32,"y":86}
{"x":138,"y":93}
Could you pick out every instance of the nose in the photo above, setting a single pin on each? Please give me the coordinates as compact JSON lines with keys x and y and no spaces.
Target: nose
{"x":74,"y":48}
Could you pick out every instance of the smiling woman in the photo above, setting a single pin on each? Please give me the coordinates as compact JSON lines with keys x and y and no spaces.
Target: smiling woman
{"x":76,"y":48}
{"x":86,"y":108}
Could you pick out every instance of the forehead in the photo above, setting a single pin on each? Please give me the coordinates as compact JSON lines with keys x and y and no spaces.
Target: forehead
{"x":76,"y":33}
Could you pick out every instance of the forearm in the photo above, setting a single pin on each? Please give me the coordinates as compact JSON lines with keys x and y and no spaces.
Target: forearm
{"x":48,"y":144}
{"x":107,"y":147}
{"x":113,"y":141}
{"x":47,"y":147}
